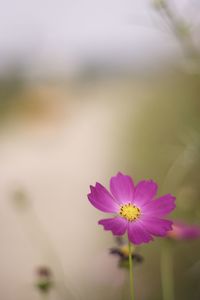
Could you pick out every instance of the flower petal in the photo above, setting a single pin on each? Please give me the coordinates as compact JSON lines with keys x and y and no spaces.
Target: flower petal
{"x":137,"y":234}
{"x":122,"y":188}
{"x":182,"y":231}
{"x":144,"y":192}
{"x":117,"y":225}
{"x":160,"y":207}
{"x":102,"y":199}
{"x":155,"y":226}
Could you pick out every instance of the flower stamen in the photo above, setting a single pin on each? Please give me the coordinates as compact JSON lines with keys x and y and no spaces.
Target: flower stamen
{"x":130,"y":212}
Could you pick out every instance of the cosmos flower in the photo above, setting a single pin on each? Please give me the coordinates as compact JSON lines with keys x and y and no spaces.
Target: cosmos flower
{"x":135,"y":208}
{"x":182,"y":231}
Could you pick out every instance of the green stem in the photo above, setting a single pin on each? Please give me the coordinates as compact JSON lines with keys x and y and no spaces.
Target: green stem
{"x":167,"y":271}
{"x":131,"y":271}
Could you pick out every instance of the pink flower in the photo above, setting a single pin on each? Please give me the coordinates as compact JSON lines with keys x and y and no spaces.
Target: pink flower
{"x":182,"y":231}
{"x":135,"y":208}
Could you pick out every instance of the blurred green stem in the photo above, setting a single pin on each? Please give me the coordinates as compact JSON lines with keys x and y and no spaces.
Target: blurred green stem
{"x":167,"y":277}
{"x":131,"y":271}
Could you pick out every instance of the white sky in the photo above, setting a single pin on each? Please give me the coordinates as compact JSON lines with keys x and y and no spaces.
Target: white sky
{"x":55,"y":34}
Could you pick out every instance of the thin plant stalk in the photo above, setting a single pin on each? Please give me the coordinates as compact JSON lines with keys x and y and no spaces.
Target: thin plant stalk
{"x":131,"y":271}
{"x":167,"y":277}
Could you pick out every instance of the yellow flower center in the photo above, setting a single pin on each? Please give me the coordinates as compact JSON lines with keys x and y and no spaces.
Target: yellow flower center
{"x":130,"y":212}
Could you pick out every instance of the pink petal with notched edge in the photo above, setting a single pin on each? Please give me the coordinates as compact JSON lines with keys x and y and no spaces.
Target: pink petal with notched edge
{"x":156,"y":226}
{"x":117,"y":225}
{"x":100,"y":198}
{"x":160,"y":207}
{"x":122,"y":188}
{"x":144,"y":192}
{"x":137,"y":234}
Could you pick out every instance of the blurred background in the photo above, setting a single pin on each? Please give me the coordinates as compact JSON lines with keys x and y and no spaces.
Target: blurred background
{"x":89,"y":88}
